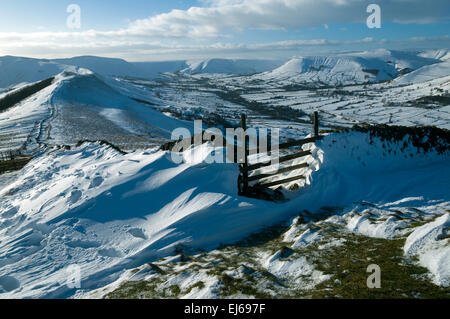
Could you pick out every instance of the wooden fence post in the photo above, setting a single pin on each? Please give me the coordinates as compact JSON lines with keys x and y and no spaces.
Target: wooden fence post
{"x":316,"y":124}
{"x":244,"y":166}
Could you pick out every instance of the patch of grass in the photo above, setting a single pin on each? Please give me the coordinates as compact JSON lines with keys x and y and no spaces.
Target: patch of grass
{"x":156,"y":268}
{"x":174,"y":290}
{"x":399,"y":278}
{"x":135,"y":290}
{"x":237,"y":286}
{"x":198,"y":285}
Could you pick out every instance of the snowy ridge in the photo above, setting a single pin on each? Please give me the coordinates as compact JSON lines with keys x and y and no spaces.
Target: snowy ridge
{"x":80,"y":105}
{"x":91,"y":90}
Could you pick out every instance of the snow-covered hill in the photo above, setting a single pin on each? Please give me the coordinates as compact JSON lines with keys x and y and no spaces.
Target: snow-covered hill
{"x":351,"y":68}
{"x":79,"y":105}
{"x":332,"y":70}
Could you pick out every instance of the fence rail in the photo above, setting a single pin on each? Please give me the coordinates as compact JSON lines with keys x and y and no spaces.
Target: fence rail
{"x":280,"y":171}
{"x":283,"y":181}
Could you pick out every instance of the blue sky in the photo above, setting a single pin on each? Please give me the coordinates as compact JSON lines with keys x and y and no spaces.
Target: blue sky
{"x":158,"y":30}
{"x":97,"y":14}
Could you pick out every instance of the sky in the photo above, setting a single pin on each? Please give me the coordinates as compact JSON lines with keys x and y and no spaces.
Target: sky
{"x":151,"y":30}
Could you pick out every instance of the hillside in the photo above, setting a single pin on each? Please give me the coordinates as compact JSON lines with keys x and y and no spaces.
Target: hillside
{"x":110,"y":212}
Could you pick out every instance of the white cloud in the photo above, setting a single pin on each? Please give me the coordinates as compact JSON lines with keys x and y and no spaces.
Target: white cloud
{"x":238,"y":15}
{"x":170,"y":32}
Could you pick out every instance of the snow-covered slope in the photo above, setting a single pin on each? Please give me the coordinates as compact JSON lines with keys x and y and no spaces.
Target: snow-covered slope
{"x":227,"y":66}
{"x":442,"y":54}
{"x":426,"y":73}
{"x":403,"y":61}
{"x":92,"y":92}
{"x":428,"y":242}
{"x":79,"y":105}
{"x":107,"y":212}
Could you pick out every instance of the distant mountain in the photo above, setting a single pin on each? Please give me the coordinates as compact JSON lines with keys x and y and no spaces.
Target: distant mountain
{"x":154,"y":69}
{"x":355,"y":67}
{"x":332,"y":70}
{"x":346,"y":68}
{"x":227,"y":66}
{"x":103,"y":66}
{"x":122,"y":68}
{"x":16,"y":70}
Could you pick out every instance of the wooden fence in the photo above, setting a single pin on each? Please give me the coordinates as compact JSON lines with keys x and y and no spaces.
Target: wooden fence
{"x":241,"y":156}
{"x":245,"y":168}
